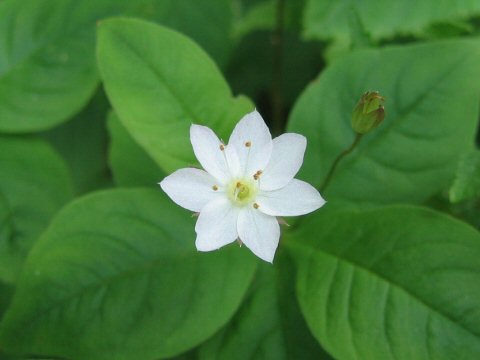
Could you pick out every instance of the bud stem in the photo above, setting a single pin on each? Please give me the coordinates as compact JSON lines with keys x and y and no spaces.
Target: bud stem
{"x":337,"y":160}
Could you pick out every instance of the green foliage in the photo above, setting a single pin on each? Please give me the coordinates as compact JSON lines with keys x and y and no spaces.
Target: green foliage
{"x":163,"y":60}
{"x":253,"y":74}
{"x":325,"y":19}
{"x":47,"y":62}
{"x":396,"y":283}
{"x":428,"y":122}
{"x":6,"y":292}
{"x":281,"y":333}
{"x":467,"y":180}
{"x":130,"y":164}
{"x":115,"y":274}
{"x":34,"y":184}
{"x":213,"y":32}
{"x":111,"y":278}
{"x":82,"y":142}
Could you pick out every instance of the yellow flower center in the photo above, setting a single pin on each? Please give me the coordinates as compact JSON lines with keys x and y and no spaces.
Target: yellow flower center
{"x":242,"y":191}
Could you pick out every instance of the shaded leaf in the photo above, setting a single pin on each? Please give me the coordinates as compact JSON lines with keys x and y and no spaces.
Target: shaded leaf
{"x":82,"y":142}
{"x":467,"y":179}
{"x":34,"y":184}
{"x":269,"y":324}
{"x":130,"y":164}
{"x":252,"y":75}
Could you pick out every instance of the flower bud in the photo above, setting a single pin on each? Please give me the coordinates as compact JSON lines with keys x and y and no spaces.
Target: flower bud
{"x":368,"y":113}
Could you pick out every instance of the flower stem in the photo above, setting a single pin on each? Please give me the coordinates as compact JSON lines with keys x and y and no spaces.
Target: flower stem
{"x":277,"y":64}
{"x":339,"y":158}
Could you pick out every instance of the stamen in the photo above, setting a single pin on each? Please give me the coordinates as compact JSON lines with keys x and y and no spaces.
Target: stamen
{"x":248,"y":144}
{"x":215,"y":187}
{"x":256,"y":206}
{"x":256,"y":176}
{"x":222,"y":147}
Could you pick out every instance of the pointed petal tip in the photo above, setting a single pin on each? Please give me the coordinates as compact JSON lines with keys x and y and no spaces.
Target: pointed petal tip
{"x":162,"y":184}
{"x":270,"y":261}
{"x":267,"y":257}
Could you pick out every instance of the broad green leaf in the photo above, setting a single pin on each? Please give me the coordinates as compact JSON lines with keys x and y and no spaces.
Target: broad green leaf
{"x":82,"y":142}
{"x":130,"y":164}
{"x":326,"y":19}
{"x":269,"y":324}
{"x":467,"y":180}
{"x":117,"y":276}
{"x":208,"y":22}
{"x":47,"y":62}
{"x":174,"y":85}
{"x":429,"y":123}
{"x":34,"y":184}
{"x":392,"y":283}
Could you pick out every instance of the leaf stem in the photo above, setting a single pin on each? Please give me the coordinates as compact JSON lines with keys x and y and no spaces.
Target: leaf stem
{"x":277,"y":64}
{"x":339,"y":158}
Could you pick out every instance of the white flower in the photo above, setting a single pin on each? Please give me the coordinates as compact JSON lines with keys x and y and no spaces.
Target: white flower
{"x":245,"y":185}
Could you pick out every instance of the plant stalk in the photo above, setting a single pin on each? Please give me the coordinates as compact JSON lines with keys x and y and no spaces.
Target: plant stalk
{"x":339,"y":158}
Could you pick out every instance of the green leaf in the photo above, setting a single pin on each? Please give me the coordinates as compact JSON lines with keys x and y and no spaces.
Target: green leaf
{"x":47,"y":62}
{"x":428,"y":122}
{"x":392,"y":283}
{"x":467,"y":180}
{"x":213,"y":32}
{"x":130,"y":164}
{"x":34,"y":184}
{"x":269,"y":324}
{"x":326,"y":19}
{"x":174,"y":85}
{"x":117,"y":276}
{"x":82,"y":142}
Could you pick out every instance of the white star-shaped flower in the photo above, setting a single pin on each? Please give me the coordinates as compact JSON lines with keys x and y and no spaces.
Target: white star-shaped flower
{"x":244,"y":187}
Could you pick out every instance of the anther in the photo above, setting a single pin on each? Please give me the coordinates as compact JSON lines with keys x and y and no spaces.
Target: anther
{"x":238,"y":184}
{"x":248,"y":144}
{"x":256,"y":206}
{"x":215,"y":187}
{"x":222,"y":147}
{"x":256,"y":176}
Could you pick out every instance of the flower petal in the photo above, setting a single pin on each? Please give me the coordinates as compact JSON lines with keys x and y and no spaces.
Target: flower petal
{"x":217,"y":225}
{"x":259,"y":232}
{"x":286,"y":159}
{"x":207,"y":149}
{"x":233,"y":161}
{"x":297,"y":198}
{"x":190,"y":188}
{"x":253,"y":143}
